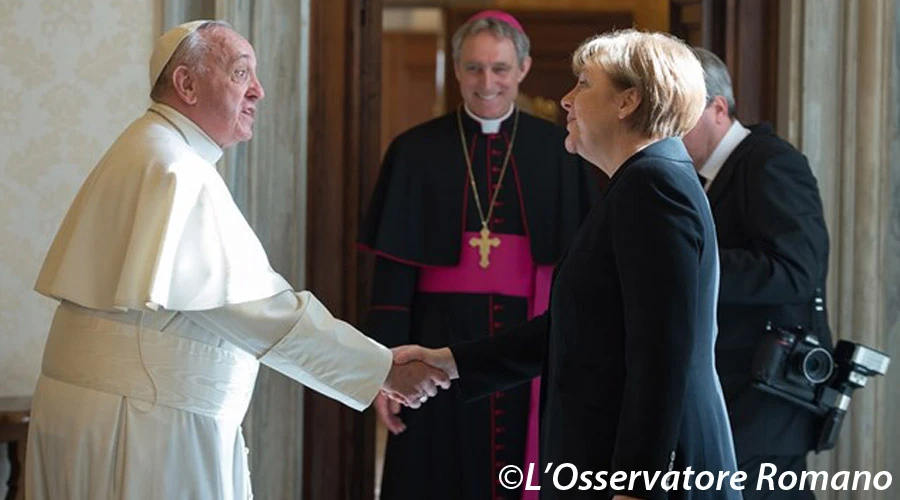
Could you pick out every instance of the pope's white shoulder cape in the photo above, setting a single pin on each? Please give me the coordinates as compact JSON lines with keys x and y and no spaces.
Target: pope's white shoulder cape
{"x":155,"y":226}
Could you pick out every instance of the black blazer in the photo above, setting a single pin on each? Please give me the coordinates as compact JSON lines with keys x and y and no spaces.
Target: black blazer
{"x":626,"y":348}
{"x":773,"y":247}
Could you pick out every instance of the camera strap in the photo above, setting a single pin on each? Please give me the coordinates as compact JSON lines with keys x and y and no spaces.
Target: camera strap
{"x":818,"y":322}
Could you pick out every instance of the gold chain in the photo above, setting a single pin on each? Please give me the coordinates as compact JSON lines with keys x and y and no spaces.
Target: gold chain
{"x":462,"y":138}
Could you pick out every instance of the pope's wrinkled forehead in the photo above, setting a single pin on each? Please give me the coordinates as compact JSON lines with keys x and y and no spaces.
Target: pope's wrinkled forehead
{"x":227,"y":47}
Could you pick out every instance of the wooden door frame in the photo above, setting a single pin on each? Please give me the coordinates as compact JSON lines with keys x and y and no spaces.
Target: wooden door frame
{"x":344,"y":140}
{"x":748,"y":47}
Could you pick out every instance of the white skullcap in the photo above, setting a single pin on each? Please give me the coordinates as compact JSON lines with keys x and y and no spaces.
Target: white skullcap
{"x":166,"y":46}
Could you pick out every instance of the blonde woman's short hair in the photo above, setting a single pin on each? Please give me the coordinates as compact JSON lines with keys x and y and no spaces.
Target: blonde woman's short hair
{"x":662,"y":68}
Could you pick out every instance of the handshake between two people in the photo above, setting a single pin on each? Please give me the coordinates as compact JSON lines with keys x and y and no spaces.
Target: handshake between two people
{"x":416,"y":375}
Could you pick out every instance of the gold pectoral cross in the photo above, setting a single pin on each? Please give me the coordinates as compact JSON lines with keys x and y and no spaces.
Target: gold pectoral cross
{"x":484,"y":244}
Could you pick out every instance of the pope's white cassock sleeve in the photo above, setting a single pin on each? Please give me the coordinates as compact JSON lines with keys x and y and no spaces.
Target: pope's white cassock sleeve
{"x":295,"y":334}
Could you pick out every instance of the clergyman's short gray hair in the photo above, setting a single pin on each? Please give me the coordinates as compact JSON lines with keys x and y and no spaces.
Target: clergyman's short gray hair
{"x":718,"y":81}
{"x":191,"y":52}
{"x":499,"y":28}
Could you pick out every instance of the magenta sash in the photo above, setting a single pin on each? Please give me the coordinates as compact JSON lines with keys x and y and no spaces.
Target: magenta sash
{"x":513,"y":273}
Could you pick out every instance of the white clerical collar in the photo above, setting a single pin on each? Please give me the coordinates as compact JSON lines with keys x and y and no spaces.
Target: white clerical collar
{"x":489,"y":126}
{"x":190,"y":131}
{"x":736,"y":133}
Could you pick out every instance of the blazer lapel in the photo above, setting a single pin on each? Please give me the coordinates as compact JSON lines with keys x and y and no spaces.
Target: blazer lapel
{"x":720,"y":182}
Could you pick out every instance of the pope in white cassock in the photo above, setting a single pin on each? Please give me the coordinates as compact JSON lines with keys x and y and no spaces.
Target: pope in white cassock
{"x":168,"y":304}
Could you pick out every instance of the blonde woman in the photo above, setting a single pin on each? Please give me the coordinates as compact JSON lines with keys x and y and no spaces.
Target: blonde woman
{"x":626,"y":348}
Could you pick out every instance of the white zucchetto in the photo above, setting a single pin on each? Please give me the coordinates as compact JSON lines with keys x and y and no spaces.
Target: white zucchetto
{"x":167,"y":44}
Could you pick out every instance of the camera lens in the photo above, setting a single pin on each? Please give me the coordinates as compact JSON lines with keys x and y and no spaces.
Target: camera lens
{"x":817,"y":365}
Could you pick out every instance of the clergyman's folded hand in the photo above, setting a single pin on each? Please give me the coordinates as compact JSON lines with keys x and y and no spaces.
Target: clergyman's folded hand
{"x":388,"y":410}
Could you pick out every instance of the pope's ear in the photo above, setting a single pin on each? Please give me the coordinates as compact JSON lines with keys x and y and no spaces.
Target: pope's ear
{"x":185,"y":84}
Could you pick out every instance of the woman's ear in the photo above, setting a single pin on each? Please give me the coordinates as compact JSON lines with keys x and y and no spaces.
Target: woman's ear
{"x":629,"y":100}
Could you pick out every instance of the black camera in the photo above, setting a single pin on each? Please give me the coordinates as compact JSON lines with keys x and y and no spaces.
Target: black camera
{"x":792,"y":365}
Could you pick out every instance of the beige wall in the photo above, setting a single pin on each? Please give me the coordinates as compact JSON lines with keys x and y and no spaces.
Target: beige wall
{"x":72,"y":75}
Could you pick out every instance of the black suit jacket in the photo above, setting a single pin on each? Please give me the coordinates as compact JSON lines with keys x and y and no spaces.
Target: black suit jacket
{"x":626,"y":348}
{"x":774,"y":252}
